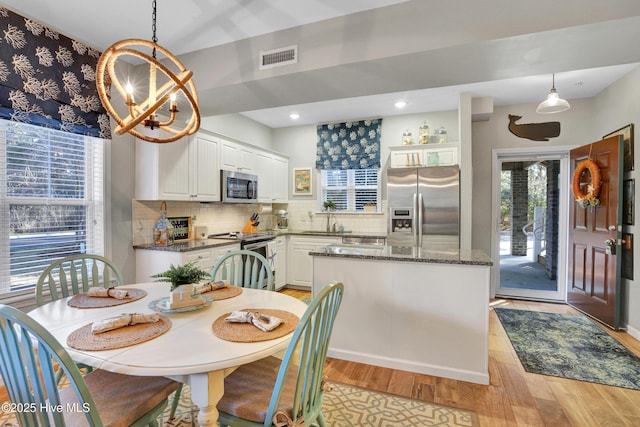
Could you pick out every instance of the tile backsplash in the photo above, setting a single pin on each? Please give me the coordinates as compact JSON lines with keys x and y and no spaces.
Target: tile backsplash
{"x":223,"y":217}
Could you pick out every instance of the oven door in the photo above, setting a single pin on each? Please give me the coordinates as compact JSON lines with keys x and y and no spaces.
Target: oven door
{"x":266,"y":248}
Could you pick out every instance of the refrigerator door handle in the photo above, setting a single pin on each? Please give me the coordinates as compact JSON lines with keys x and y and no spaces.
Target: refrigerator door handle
{"x":414,"y":220}
{"x":418,"y":208}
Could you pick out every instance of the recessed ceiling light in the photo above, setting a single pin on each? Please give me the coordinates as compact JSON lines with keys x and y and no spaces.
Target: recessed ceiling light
{"x":401,"y":104}
{"x":294,"y":116}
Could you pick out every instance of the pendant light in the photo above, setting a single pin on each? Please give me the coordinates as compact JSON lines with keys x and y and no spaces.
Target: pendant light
{"x":553,"y":103}
{"x":167,"y":80}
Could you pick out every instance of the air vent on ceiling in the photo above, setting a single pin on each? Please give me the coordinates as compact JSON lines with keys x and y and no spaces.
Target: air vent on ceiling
{"x":278,"y":57}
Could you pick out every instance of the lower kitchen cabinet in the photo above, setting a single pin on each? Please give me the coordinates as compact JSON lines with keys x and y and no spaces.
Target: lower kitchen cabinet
{"x":150,"y":262}
{"x":280,"y":262}
{"x":300,"y":263}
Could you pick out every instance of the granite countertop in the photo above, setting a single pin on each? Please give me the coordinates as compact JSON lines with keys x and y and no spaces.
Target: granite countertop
{"x":189,"y":245}
{"x":193,"y":245}
{"x":406,"y":254}
{"x":330,"y":233}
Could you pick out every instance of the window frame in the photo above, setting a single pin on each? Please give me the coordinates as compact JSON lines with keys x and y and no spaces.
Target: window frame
{"x":93,"y":198}
{"x":350,"y":188}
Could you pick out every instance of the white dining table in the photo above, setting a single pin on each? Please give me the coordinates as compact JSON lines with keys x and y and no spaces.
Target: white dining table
{"x":189,"y":352}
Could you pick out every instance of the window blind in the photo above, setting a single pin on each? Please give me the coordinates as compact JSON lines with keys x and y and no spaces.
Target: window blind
{"x":52,"y":193}
{"x":350,"y":189}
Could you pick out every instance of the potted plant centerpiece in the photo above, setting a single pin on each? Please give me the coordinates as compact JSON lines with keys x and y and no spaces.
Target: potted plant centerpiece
{"x":182,"y":279}
{"x":185,"y":274}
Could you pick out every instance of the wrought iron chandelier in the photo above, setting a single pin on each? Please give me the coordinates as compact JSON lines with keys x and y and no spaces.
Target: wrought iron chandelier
{"x":174,"y":79}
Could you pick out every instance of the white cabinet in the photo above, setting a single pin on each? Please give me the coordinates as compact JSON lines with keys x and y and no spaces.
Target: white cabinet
{"x":182,"y":170}
{"x":272,"y":171}
{"x":237,"y":157}
{"x":150,"y":262}
{"x":280,"y":262}
{"x":299,"y":262}
{"x":424,"y":155}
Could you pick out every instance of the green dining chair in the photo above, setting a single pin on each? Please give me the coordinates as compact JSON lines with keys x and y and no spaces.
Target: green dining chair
{"x":101,"y":398}
{"x":289,"y":390}
{"x":243,"y":268}
{"x":75,"y":274}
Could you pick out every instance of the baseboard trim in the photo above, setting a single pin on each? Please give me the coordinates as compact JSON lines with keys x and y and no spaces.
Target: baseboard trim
{"x":410,"y":366}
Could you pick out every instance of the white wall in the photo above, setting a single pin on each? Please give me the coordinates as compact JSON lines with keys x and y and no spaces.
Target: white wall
{"x":240,"y":128}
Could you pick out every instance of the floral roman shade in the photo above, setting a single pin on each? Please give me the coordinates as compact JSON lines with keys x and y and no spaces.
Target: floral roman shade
{"x":349,"y":145}
{"x":48,"y":79}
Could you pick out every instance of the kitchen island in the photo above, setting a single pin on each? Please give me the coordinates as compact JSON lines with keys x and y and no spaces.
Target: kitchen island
{"x":410,"y":309}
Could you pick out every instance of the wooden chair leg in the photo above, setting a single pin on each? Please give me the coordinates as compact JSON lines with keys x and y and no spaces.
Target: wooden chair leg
{"x":176,"y":400}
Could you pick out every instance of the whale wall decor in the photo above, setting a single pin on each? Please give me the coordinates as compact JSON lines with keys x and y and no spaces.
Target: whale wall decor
{"x":533,"y":131}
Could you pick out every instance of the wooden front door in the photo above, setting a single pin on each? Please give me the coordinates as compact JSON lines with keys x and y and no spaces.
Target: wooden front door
{"x":594,"y":270}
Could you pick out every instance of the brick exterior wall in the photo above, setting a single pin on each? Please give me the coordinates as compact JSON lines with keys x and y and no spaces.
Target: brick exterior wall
{"x":551,"y":219}
{"x":519,"y":204}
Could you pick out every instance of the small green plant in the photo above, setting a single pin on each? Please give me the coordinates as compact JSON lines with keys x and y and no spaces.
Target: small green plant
{"x":329,"y":205}
{"x":182,"y":275}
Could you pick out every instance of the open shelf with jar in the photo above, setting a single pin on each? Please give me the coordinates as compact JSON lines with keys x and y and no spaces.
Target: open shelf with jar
{"x":424,"y":155}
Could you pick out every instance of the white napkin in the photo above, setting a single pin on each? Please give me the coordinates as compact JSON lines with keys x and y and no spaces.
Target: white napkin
{"x":125,"y":319}
{"x":108,"y":292}
{"x":264,"y":322}
{"x":211,"y":286}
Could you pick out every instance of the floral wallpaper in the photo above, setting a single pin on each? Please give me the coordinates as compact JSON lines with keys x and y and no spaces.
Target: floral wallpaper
{"x":48,"y":79}
{"x":349,"y":145}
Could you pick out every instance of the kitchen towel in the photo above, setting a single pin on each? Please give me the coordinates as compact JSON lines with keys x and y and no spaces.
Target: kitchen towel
{"x":125,"y":319}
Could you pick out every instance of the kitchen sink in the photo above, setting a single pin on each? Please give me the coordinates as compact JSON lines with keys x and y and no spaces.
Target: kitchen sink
{"x":327,"y":232}
{"x":363,"y":240}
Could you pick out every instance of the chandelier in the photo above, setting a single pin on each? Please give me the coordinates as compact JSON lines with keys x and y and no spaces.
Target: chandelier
{"x":167,"y":80}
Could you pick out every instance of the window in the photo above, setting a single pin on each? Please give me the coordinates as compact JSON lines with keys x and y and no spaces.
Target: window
{"x":52,"y":194}
{"x":351,"y":189}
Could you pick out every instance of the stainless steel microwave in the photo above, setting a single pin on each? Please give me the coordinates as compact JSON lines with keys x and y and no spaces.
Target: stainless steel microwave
{"x":238,"y":187}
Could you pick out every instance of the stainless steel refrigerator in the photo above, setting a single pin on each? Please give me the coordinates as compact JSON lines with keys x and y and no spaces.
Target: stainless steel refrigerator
{"x":424,"y":207}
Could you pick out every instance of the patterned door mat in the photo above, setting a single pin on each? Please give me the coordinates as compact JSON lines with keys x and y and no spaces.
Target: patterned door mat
{"x":569,"y":346}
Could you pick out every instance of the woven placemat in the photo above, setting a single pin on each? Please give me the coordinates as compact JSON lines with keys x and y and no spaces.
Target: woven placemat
{"x":83,"y":339}
{"x":85,"y":301}
{"x":246,"y":332}
{"x":224,"y":293}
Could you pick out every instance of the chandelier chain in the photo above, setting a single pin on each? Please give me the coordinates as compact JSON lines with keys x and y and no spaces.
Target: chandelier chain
{"x":154,"y":38}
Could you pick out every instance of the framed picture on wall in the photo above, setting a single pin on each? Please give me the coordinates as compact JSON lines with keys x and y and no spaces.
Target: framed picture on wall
{"x":628,"y":190}
{"x":627,"y":135}
{"x":302,"y":181}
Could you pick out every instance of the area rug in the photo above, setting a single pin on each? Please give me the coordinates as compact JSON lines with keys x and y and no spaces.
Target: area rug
{"x":344,"y":406}
{"x":347,"y":406}
{"x":569,"y":346}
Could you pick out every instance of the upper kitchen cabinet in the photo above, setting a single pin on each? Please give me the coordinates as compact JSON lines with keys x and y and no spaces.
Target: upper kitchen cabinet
{"x":237,"y":157}
{"x":424,"y":155}
{"x":187,"y":170}
{"x":272,"y":171}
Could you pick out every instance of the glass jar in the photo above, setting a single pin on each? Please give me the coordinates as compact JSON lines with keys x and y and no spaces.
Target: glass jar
{"x":442,"y":135}
{"x":424,"y":133}
{"x":407,"y":138}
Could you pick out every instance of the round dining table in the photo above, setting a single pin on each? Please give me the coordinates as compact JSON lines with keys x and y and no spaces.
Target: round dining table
{"x":188,"y":352}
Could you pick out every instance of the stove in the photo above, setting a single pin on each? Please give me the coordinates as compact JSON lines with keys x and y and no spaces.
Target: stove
{"x":245,"y":237}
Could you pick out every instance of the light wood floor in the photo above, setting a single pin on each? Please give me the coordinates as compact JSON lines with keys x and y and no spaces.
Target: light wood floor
{"x":514,"y":397}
